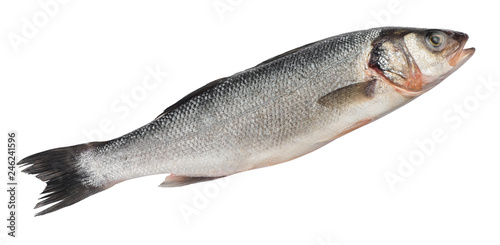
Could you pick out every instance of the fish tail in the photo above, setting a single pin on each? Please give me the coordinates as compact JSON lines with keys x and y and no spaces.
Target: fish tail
{"x":66,"y":182}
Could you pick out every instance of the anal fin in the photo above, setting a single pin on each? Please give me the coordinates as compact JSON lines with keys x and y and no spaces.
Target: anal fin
{"x":347,"y":130}
{"x":176,"y":181}
{"x":353,"y":127}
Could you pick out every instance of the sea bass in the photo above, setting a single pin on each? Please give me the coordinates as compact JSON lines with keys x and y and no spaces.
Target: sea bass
{"x":281,"y":109}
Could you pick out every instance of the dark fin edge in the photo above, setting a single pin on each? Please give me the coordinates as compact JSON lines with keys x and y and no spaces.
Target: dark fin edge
{"x":191,"y":95}
{"x":59,"y":169}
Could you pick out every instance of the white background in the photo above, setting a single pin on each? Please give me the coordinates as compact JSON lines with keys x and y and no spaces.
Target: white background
{"x":73,"y":73}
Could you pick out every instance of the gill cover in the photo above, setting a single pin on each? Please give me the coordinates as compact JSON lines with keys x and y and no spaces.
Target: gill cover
{"x":392,"y":61}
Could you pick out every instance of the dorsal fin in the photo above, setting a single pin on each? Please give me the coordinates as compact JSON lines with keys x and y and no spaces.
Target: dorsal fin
{"x":286,"y":53}
{"x":191,"y":95}
{"x":220,"y":80}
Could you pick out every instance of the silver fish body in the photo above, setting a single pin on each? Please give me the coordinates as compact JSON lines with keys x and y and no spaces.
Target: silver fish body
{"x":278,"y":110}
{"x":264,"y":115}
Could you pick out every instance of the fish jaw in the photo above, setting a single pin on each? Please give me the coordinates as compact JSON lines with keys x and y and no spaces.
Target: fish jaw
{"x":456,"y":61}
{"x":460,"y":55}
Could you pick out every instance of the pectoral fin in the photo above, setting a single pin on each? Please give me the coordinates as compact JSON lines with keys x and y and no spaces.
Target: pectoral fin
{"x":176,"y":181}
{"x":350,"y":94}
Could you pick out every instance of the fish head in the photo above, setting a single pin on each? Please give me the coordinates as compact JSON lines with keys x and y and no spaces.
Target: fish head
{"x":415,"y":60}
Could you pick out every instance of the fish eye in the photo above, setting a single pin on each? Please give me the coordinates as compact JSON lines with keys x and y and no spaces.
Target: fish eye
{"x":435,"y":40}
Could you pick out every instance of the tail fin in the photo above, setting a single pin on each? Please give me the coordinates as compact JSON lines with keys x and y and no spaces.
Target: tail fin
{"x":59,"y":169}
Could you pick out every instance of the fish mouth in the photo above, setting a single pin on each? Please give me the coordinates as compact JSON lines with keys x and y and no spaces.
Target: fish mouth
{"x":460,"y":55}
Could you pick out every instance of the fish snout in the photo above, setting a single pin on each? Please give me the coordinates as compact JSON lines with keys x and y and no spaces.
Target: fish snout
{"x":459,"y":55}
